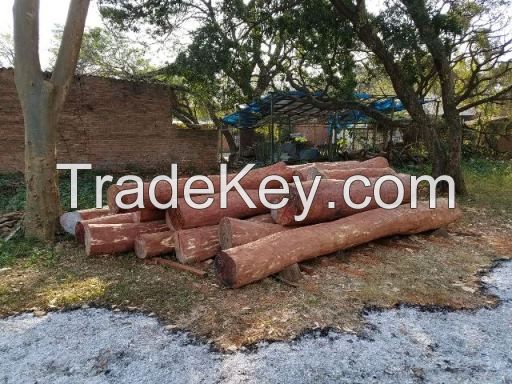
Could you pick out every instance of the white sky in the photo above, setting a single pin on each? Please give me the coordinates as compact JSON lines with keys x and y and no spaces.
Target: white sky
{"x":54,"y":12}
{"x":51,"y":12}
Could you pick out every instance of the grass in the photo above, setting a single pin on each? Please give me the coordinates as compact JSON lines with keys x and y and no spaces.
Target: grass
{"x":419,"y":270}
{"x":489,"y":182}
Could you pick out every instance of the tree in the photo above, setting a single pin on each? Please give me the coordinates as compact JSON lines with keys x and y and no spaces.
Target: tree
{"x":6,"y":50}
{"x":240,"y":50}
{"x":109,"y":54}
{"x":419,"y":43}
{"x":42,"y":99}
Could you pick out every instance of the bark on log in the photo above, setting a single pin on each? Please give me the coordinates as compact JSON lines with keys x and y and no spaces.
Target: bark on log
{"x":68,"y":220}
{"x":311,"y":170}
{"x":163,"y":190}
{"x":185,"y":217}
{"x":251,"y":262}
{"x":130,"y":217}
{"x":154,"y":244}
{"x":117,"y":238}
{"x":199,"y":244}
{"x":344,"y":174}
{"x":234,"y":232}
{"x":330,"y":190}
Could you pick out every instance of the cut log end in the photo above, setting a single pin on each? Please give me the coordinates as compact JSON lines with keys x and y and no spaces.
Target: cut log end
{"x":226,"y":270}
{"x":140,"y":248}
{"x":225,"y":234}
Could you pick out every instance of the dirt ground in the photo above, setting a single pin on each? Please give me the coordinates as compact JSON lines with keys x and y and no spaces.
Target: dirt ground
{"x":440,"y":269}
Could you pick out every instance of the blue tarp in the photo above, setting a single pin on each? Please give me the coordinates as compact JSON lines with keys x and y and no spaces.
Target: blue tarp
{"x":250,"y":115}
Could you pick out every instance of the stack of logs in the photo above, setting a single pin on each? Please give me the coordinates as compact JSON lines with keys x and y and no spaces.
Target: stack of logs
{"x":249,"y":244}
{"x":10,"y":224}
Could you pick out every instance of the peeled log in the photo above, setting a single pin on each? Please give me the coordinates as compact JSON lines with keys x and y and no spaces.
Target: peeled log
{"x":184,"y":217}
{"x":154,"y":244}
{"x":234,"y":232}
{"x":199,"y":244}
{"x":130,"y":217}
{"x":117,"y":238}
{"x":251,"y":262}
{"x":330,"y":190}
{"x":68,"y":220}
{"x":311,"y":170}
{"x":344,"y":174}
{"x":163,"y":190}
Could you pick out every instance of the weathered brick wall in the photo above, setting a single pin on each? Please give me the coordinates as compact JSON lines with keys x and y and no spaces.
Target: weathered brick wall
{"x":113,"y":125}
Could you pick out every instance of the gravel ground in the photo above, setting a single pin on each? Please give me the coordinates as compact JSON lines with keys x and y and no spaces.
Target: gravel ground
{"x":406,"y":345}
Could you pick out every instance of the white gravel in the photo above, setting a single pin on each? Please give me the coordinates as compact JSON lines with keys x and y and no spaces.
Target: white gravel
{"x":406,"y":345}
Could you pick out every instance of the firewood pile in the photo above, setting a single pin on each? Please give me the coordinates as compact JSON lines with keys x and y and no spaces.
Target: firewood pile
{"x":249,"y":244}
{"x":10,"y":224}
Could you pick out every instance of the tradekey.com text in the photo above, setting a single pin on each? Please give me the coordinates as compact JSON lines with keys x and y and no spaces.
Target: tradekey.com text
{"x":271,"y":198}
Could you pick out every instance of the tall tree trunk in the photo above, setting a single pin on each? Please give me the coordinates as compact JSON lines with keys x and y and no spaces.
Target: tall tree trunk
{"x":445,"y":156}
{"x":41,"y":101}
{"x":42,"y":197}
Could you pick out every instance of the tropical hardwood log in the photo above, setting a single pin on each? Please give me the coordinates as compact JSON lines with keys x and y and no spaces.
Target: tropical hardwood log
{"x":102,"y":239}
{"x":68,"y":220}
{"x":184,"y":216}
{"x":199,"y":244}
{"x":149,"y":214}
{"x":129,"y":217}
{"x":196,"y":244}
{"x":163,"y":190}
{"x":344,"y":174}
{"x":331,"y":191}
{"x":154,"y":244}
{"x":254,"y":261}
{"x":234,"y":232}
{"x":313,"y":169}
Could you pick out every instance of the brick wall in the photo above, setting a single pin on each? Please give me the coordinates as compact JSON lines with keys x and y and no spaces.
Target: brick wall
{"x":113,"y":125}
{"x":314,"y":130}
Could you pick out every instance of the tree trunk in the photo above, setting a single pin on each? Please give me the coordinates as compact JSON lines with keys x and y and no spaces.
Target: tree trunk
{"x":42,"y":206}
{"x":154,"y":244}
{"x":331,"y":191}
{"x":251,"y":262}
{"x":185,"y":217}
{"x":41,"y":101}
{"x":69,"y":220}
{"x":234,"y":232}
{"x":102,"y":239}
{"x":130,"y":217}
{"x":197,"y":244}
{"x":200,"y":244}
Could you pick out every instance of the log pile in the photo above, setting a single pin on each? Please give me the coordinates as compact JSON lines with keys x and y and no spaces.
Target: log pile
{"x":250,"y":244}
{"x":10,"y":224}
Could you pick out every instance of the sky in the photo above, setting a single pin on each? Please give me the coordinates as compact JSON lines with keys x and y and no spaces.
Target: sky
{"x":54,"y":12}
{"x":51,"y":12}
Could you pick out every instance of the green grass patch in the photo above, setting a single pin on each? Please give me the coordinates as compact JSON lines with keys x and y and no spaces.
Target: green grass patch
{"x":32,"y":251}
{"x":489,"y":183}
